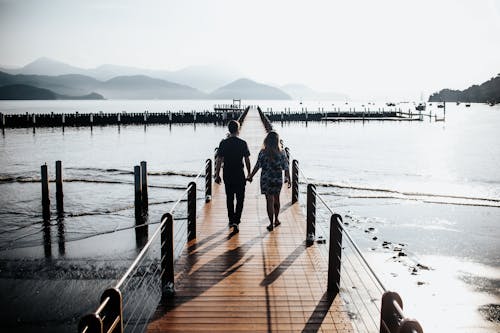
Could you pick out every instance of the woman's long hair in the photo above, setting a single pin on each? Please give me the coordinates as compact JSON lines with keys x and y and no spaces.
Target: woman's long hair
{"x":272,"y":145}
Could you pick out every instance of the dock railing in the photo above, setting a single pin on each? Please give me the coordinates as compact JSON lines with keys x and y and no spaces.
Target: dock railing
{"x":128,"y":305}
{"x":370,"y":305}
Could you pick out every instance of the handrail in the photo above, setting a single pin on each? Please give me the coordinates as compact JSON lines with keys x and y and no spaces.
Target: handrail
{"x":111,"y":300}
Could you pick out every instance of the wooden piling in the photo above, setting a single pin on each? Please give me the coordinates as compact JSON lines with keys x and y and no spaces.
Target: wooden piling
{"x":144,"y":185}
{"x":3,"y":120}
{"x":59,"y":187}
{"x":137,"y":189}
{"x":45,"y":192}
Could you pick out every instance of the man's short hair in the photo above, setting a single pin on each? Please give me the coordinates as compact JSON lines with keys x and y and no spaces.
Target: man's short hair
{"x":233,"y":126}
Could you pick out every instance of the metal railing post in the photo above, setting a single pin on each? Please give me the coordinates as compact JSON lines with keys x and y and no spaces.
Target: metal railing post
{"x":167,"y":256}
{"x":191,"y":211}
{"x":112,"y":314}
{"x":208,"y":180}
{"x":295,"y":181}
{"x":389,"y":321}
{"x":311,"y":214}
{"x":334,"y":254}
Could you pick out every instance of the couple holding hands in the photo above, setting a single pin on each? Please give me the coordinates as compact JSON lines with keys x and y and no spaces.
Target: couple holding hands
{"x":272,"y":160}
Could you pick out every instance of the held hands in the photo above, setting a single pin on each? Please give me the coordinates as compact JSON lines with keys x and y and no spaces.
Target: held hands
{"x":217,"y":179}
{"x":289,"y":183}
{"x":249,"y":179}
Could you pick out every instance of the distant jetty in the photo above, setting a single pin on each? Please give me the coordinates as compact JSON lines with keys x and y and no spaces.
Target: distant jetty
{"x":28,"y":120}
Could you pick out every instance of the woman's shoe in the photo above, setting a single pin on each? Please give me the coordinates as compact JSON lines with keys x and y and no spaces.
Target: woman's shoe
{"x":277,"y":223}
{"x":270,"y":227}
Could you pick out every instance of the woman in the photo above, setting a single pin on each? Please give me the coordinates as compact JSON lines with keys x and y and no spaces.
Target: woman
{"x":272,"y":159}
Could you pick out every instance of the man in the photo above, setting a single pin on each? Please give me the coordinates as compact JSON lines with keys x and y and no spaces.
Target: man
{"x":231,"y":152}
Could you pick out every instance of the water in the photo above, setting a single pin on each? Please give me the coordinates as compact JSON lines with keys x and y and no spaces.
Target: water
{"x":437,"y":180}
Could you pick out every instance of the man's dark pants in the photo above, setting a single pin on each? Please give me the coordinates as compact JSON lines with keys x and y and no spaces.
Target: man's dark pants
{"x":235,"y":188}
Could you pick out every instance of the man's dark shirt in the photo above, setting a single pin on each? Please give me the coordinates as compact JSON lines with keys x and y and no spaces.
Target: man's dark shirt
{"x":233,"y":150}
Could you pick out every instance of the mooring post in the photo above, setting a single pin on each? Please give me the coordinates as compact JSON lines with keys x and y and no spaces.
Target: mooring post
{"x":137,"y":190}
{"x":295,"y":181}
{"x":191,"y":211}
{"x":167,"y":255}
{"x":45,"y":192}
{"x":33,"y":119}
{"x":3,"y":120}
{"x":59,"y":187}
{"x":311,"y":214}
{"x":144,"y":185}
{"x":208,"y":180}
{"x":335,"y":254}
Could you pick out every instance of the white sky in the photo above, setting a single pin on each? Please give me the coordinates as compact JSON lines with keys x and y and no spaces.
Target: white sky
{"x":369,"y":49}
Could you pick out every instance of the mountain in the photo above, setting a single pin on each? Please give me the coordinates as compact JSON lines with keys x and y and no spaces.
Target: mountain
{"x":26,"y":92}
{"x":22,"y":91}
{"x":248,"y":89}
{"x":46,"y":66}
{"x":302,"y":92}
{"x":204,"y":78}
{"x":144,"y":87}
{"x":487,"y":92}
{"x":122,"y":87}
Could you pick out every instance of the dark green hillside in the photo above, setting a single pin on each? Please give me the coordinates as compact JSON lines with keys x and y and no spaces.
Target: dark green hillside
{"x":487,"y":92}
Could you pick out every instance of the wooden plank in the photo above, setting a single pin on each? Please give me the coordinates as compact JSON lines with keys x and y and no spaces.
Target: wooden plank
{"x":253,"y":281}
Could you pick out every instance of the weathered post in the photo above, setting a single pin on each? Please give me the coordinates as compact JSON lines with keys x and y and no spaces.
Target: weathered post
{"x":311,"y":214}
{"x":144,"y":185}
{"x":3,"y":120}
{"x":137,"y":190}
{"x":334,"y":254}
{"x":295,"y":181}
{"x":191,"y":211}
{"x":45,"y":193}
{"x":33,"y":119}
{"x":119,"y":118}
{"x":113,"y":310}
{"x":208,"y":180}
{"x":389,"y":318}
{"x":59,"y":187}
{"x":91,"y":120}
{"x":167,"y":255}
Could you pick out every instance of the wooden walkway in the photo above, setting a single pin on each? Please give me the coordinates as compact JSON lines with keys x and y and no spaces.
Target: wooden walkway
{"x":253,"y":281}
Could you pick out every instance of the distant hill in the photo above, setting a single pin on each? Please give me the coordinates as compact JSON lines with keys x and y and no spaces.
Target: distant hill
{"x":204,"y":78}
{"x":124,"y":87}
{"x":22,"y":91}
{"x":248,"y":89}
{"x":26,"y":92}
{"x":487,"y":92}
{"x":302,"y":92}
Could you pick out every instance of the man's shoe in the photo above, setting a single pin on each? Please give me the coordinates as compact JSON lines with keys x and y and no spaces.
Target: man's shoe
{"x":270,"y":227}
{"x":235,"y":228}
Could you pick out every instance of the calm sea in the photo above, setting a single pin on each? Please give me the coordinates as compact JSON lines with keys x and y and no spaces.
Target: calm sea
{"x":432,"y":188}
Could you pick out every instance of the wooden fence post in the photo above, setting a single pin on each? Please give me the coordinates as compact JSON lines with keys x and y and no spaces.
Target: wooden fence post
{"x":167,"y":255}
{"x":144,"y":185}
{"x":137,"y":190}
{"x":59,"y":187}
{"x":45,"y":192}
{"x":334,"y":254}
{"x":295,"y":181}
{"x":208,"y":180}
{"x":311,"y":214}
{"x":191,"y":211}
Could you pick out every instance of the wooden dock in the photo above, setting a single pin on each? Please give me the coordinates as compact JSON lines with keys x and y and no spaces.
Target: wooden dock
{"x":255,"y":280}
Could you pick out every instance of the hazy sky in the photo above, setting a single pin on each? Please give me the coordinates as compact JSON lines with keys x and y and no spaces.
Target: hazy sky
{"x":368,"y":49}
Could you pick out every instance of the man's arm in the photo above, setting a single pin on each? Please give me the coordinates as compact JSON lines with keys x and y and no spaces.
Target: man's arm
{"x":247,"y":164}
